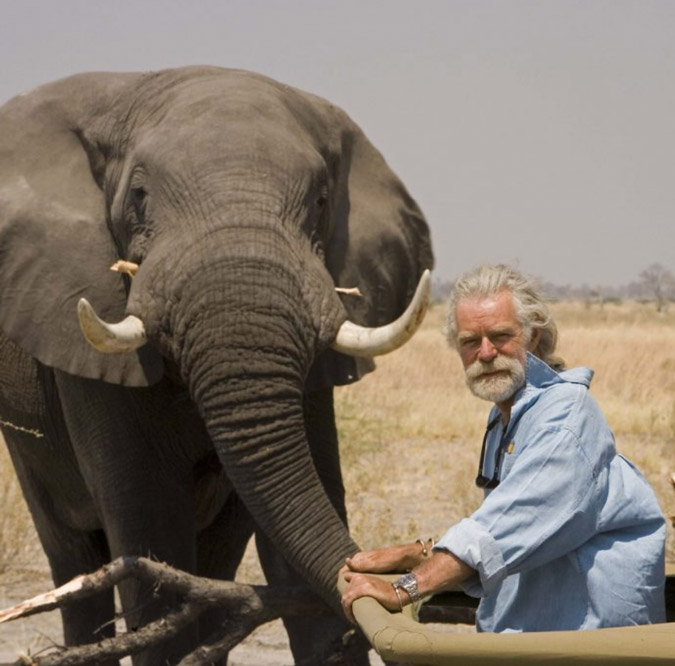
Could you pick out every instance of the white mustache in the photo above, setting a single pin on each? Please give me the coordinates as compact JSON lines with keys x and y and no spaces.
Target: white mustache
{"x":500,"y":363}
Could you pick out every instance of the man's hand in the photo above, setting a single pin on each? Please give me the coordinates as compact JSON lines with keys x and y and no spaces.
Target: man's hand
{"x":392,"y":559}
{"x":434,"y":574}
{"x":361,"y":585}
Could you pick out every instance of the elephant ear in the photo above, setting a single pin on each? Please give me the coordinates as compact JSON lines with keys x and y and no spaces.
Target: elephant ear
{"x":379,"y":242}
{"x":54,"y":243}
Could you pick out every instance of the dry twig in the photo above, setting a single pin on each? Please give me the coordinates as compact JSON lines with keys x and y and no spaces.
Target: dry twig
{"x":247,"y":606}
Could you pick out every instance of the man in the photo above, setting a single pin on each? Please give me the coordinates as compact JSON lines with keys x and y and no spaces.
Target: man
{"x":569,"y":535}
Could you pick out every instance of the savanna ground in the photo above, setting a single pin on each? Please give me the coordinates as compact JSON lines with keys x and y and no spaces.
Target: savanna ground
{"x":410,"y":439}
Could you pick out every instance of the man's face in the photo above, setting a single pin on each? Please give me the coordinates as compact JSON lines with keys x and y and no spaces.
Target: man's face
{"x":492,"y":345}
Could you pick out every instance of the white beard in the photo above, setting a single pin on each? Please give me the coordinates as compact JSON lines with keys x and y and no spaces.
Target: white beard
{"x":495,"y":388}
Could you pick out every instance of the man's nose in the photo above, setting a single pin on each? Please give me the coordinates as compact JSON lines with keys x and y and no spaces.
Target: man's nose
{"x":487,"y":350}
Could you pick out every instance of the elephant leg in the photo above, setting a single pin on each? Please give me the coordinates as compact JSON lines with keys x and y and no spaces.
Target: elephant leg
{"x":311,"y":635}
{"x":70,"y":551}
{"x":222,"y":540}
{"x":89,"y":620}
{"x":132,"y":458}
{"x":220,"y":549}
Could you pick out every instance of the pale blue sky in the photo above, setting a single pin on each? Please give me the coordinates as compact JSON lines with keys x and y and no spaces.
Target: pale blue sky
{"x":539,"y":132}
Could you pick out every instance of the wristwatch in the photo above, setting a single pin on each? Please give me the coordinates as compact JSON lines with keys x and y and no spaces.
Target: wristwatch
{"x":408,"y":582}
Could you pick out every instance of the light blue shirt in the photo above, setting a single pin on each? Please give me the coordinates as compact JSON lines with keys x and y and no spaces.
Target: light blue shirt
{"x":573,"y":536}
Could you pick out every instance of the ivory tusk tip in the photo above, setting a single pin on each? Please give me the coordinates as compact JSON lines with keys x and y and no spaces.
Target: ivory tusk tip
{"x":123,"y":337}
{"x":85,"y":311}
{"x":368,"y":342}
{"x":123,"y":266}
{"x":349,"y":291}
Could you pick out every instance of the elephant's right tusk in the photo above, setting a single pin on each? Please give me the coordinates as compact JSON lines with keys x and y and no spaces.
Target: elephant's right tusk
{"x":122,"y":266}
{"x":126,"y":336}
{"x":349,"y":291}
{"x":361,"y":341}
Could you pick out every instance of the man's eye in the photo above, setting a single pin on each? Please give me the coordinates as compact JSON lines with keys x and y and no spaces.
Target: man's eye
{"x":501,"y":337}
{"x":469,"y":342}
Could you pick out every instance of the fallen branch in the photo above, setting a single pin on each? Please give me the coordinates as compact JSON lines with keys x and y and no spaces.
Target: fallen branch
{"x":247,"y":606}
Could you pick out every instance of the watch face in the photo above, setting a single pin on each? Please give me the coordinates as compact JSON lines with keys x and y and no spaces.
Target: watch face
{"x":409,"y":583}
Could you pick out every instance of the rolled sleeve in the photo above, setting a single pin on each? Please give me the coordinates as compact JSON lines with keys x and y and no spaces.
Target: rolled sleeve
{"x":475,"y":546}
{"x":545,"y":507}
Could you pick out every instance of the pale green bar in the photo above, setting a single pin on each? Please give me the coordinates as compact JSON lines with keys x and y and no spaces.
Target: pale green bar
{"x":398,"y":637}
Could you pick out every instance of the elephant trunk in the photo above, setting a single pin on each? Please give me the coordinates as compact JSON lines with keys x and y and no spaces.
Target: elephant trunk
{"x":259,"y":435}
{"x":244,"y":332}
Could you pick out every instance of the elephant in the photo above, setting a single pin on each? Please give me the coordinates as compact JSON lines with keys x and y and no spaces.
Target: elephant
{"x":265,"y":253}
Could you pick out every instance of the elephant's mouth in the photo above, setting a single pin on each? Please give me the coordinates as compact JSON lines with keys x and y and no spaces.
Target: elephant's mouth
{"x":352,"y":339}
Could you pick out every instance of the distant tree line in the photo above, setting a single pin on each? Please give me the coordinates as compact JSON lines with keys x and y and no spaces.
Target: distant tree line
{"x":655,"y":284}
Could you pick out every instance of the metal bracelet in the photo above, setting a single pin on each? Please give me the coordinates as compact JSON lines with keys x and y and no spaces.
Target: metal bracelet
{"x":398,"y":596}
{"x":425,"y":548}
{"x":409,"y":583}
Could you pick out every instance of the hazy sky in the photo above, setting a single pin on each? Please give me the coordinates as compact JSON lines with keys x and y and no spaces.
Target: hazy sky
{"x":540,"y":132}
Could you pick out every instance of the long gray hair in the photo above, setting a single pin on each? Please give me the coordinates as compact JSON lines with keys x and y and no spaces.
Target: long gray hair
{"x":531,"y":310}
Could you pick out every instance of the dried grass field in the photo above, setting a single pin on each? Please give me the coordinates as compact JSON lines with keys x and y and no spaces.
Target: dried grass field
{"x":410,"y":439}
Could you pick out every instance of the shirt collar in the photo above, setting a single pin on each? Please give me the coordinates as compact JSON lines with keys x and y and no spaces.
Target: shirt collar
{"x":540,"y":376}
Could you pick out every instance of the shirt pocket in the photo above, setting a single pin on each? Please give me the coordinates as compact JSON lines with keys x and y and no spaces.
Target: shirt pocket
{"x":509,"y":458}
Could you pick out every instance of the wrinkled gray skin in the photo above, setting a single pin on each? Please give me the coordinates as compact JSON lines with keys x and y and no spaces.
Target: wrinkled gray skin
{"x":244,"y":202}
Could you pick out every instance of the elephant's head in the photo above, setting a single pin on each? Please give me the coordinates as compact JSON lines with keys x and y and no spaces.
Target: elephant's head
{"x":243,"y":203}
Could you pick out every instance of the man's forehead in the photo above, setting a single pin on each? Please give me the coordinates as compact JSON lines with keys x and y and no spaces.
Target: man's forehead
{"x":486,"y":311}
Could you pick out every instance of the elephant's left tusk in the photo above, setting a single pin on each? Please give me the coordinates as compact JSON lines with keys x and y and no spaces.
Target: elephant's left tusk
{"x":126,"y":336}
{"x":361,"y":341}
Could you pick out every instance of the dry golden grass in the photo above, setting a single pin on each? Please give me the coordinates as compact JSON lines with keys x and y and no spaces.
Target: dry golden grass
{"x":411,"y":432}
{"x":632,"y":350}
{"x":19,"y":546}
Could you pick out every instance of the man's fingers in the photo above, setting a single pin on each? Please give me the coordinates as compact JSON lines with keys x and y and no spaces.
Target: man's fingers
{"x":359,"y":586}
{"x":347,"y":608}
{"x":352,"y":563}
{"x":347,"y":601}
{"x":348,"y":614}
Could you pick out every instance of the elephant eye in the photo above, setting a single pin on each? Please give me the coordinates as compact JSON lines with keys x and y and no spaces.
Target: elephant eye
{"x":138,"y":199}
{"x":316,"y":239}
{"x":317,"y":244}
{"x":322,"y":196}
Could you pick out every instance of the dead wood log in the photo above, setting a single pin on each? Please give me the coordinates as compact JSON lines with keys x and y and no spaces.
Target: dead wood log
{"x":244,"y":607}
{"x":247,"y":606}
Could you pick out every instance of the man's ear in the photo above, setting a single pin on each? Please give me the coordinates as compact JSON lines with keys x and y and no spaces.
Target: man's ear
{"x":535,"y":337}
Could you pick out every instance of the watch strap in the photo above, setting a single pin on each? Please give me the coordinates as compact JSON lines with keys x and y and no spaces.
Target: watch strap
{"x":408,"y":582}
